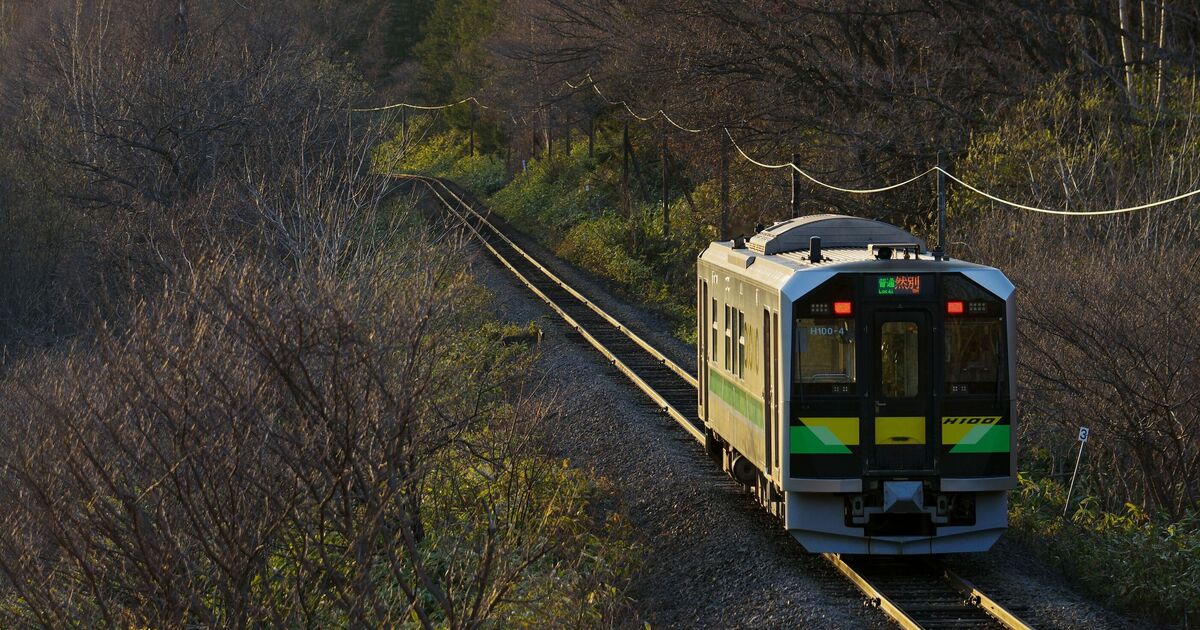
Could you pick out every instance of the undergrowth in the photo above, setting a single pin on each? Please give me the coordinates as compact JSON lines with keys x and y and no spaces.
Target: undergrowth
{"x":1133,"y":559}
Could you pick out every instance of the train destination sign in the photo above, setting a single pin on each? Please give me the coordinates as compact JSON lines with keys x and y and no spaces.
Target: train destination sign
{"x":900,"y":285}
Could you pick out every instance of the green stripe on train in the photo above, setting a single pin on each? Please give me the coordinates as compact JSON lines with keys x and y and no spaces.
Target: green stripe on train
{"x":816,"y":441}
{"x":985,"y":439}
{"x":742,"y":401}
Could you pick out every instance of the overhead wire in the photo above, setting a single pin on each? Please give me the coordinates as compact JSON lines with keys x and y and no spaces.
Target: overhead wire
{"x":469,"y":99}
{"x":1084,"y":213}
{"x":853,"y":191}
{"x":661,"y":112}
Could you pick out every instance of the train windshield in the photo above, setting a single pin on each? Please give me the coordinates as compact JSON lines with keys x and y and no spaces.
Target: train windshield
{"x":974,"y":355}
{"x":825,"y":355}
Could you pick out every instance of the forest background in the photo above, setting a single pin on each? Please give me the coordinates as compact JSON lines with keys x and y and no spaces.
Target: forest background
{"x":170,"y":168}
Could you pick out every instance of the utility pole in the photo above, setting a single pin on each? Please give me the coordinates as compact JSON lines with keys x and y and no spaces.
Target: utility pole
{"x":625,"y":168}
{"x":795,"y":187}
{"x":666,"y":204}
{"x":404,"y":126}
{"x":471,"y":110}
{"x":724,"y":188}
{"x":591,"y":136}
{"x":941,"y":186}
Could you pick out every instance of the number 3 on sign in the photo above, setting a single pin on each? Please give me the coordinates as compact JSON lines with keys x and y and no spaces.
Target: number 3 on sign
{"x":1083,"y":434}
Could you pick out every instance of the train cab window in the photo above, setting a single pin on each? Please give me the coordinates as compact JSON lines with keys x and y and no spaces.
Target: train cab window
{"x":974,"y":354}
{"x":825,"y":355}
{"x":899,"y":360}
{"x":975,"y":342}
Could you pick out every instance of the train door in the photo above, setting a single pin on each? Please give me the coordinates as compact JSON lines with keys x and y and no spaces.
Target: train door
{"x":702,"y":325}
{"x":902,"y":393}
{"x":777,"y":364}
{"x":768,"y":362}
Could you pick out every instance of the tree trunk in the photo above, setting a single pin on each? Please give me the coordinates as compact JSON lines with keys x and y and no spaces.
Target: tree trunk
{"x":1127,"y":52}
{"x":1162,"y":47}
{"x":1144,"y":28}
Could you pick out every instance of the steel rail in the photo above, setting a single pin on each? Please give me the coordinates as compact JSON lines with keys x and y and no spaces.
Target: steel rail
{"x":676,"y":414}
{"x":937,"y":597}
{"x":972,"y":596}
{"x":976,"y":597}
{"x":875,"y":597}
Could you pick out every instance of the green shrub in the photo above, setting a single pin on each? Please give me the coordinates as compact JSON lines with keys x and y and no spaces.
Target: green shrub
{"x":481,"y":174}
{"x":550,"y":197}
{"x":1130,"y":558}
{"x":599,"y":245}
{"x":427,"y":151}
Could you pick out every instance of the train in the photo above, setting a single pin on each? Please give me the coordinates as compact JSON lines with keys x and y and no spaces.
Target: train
{"x":860,"y":384}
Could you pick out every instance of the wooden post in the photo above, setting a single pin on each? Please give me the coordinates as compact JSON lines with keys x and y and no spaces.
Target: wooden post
{"x":724,"y":234}
{"x":795,"y":187}
{"x":546,"y":131}
{"x":666,"y":203}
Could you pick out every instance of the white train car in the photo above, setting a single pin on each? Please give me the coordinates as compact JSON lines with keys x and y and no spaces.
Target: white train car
{"x":863,"y":385}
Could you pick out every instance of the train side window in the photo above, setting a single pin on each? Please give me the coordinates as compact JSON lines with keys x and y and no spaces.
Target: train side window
{"x":741,"y":332}
{"x":732,"y":331}
{"x":715,"y":330}
{"x":728,"y":337}
{"x":825,"y":355}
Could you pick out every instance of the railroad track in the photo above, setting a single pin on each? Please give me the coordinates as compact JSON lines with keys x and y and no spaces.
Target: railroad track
{"x":915,"y":593}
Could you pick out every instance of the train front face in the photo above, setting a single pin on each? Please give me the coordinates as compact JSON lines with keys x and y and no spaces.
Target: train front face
{"x":901,"y":436}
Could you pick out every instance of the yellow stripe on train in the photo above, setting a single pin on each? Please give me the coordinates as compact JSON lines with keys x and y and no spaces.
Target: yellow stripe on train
{"x":955,"y":428}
